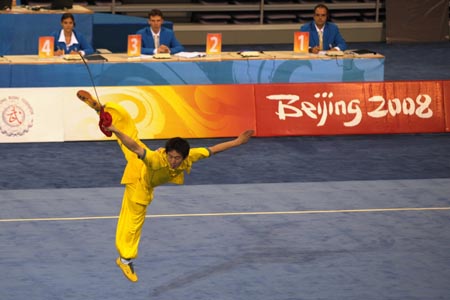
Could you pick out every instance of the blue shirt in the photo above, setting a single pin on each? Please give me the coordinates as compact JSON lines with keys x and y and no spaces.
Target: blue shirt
{"x":79,"y":43}
{"x":331,"y":36}
{"x":166,"y":37}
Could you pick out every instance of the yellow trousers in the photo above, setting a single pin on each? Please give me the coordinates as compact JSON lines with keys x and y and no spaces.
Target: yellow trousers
{"x":132,"y":214}
{"x":129,"y":226}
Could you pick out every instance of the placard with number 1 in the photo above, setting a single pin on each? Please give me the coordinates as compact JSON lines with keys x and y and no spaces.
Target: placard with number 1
{"x":301,"y":42}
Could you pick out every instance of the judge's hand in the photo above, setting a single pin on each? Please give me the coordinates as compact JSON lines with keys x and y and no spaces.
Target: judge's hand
{"x":163,"y":49}
{"x":315,"y":49}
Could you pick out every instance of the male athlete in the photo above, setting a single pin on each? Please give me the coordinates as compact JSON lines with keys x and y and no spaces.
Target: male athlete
{"x":145,"y":170}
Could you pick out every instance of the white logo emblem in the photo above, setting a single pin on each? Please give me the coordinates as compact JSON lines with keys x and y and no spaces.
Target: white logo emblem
{"x":17,"y":116}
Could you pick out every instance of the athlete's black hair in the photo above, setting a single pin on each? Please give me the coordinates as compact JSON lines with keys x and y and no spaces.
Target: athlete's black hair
{"x":178,"y":144}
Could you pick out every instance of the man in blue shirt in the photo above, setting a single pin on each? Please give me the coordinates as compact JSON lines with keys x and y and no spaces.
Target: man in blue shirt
{"x":158,"y":39}
{"x":323,"y":35}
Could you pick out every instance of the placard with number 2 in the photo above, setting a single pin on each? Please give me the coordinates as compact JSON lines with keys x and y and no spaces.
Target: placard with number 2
{"x":214,"y":43}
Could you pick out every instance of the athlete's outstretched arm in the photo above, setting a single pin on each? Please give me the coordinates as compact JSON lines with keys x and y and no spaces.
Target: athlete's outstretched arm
{"x":127,"y":141}
{"x":241,"y":139}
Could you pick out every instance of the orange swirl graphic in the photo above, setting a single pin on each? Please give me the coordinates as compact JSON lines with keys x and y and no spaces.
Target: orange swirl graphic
{"x":188,"y":111}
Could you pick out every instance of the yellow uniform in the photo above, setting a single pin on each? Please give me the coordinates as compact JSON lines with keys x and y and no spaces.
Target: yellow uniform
{"x":140,"y":177}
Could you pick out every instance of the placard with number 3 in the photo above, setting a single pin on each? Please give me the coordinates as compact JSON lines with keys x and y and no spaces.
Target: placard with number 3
{"x":46,"y":46}
{"x":134,"y":45}
{"x":301,"y":42}
{"x":214,"y":43}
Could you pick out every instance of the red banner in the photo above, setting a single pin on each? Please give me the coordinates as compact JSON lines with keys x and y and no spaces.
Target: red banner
{"x":208,"y":111}
{"x":446,"y":92}
{"x":349,"y":108}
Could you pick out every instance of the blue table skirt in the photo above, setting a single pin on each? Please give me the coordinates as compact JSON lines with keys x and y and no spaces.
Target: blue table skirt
{"x":192,"y":73}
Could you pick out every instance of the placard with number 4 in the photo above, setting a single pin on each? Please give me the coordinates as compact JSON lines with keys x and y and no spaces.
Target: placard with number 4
{"x":46,"y":46}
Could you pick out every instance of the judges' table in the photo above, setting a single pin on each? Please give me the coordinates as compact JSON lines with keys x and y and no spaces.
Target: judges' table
{"x":22,"y":27}
{"x":227,"y":68}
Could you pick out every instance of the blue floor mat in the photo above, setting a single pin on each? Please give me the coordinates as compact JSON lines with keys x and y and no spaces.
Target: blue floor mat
{"x":262,"y":160}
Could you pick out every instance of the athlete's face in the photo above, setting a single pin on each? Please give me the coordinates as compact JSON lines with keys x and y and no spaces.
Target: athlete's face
{"x":174,"y":158}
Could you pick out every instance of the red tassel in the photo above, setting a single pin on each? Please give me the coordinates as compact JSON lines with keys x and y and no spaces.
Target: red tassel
{"x":105,"y":121}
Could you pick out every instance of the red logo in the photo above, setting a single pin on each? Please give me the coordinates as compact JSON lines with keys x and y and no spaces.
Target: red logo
{"x":17,"y":116}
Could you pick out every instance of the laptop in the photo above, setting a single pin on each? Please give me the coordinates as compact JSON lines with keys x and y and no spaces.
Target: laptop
{"x":96,"y":57}
{"x":363,"y":51}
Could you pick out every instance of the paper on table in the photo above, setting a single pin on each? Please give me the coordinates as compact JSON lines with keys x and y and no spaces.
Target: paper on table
{"x":145,"y":56}
{"x":162,"y":55}
{"x":190,"y":54}
{"x":249,"y":53}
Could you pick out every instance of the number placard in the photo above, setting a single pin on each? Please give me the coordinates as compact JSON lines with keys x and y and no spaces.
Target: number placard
{"x":301,"y":42}
{"x":134,"y":45}
{"x":46,"y":46}
{"x":214,"y":43}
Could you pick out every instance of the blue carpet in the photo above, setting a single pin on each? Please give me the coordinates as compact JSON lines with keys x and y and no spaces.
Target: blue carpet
{"x":309,"y":250}
{"x":262,"y":160}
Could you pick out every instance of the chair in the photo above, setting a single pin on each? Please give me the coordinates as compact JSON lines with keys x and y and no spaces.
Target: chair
{"x":369,"y":16}
{"x":311,"y":1}
{"x":345,"y":17}
{"x":152,"y":1}
{"x":305,"y":17}
{"x":279,"y":1}
{"x":106,"y":2}
{"x":209,"y":2}
{"x":212,"y":18}
{"x":245,"y":18}
{"x":237,"y":2}
{"x":280,"y":18}
{"x":343,"y":1}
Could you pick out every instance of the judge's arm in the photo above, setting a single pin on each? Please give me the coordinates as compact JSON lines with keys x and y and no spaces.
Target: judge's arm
{"x":243,"y":138}
{"x":128,"y":141}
